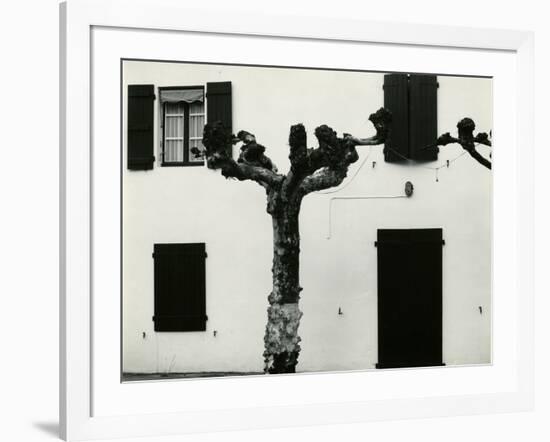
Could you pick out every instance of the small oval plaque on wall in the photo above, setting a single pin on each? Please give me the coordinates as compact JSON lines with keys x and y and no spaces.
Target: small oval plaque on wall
{"x":409,"y":188}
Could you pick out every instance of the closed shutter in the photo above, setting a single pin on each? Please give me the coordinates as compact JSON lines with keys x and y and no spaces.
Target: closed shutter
{"x":396,"y":101}
{"x":423,"y":117}
{"x":219,"y":104}
{"x":140,"y":126}
{"x":410,"y":297}
{"x":180,"y":297}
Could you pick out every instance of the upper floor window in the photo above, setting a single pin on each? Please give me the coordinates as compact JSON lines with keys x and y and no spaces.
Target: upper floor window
{"x":412,"y":101}
{"x":182,"y":122}
{"x":182,"y":118}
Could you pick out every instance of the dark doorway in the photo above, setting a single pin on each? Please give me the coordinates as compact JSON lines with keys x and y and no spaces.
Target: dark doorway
{"x":409,"y":297}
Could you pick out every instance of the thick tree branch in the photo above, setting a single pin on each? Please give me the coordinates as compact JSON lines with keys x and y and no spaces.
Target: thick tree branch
{"x":381,"y":120}
{"x":322,"y":179}
{"x":299,"y":161}
{"x":252,"y":164}
{"x":466,"y":139}
{"x":327,"y":165}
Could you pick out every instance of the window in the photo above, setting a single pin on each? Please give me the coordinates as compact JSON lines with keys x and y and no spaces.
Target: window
{"x":412,"y":100}
{"x":183,"y":119}
{"x":180,"y":296}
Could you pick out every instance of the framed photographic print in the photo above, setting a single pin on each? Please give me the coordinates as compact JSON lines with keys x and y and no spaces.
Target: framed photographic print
{"x":327,"y":221}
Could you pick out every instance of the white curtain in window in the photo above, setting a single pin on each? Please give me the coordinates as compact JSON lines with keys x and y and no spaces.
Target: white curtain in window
{"x":196,"y":126}
{"x":173,"y":132}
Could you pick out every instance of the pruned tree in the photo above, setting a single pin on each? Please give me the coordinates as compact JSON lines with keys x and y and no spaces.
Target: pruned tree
{"x":467,"y":140}
{"x":310,"y":170}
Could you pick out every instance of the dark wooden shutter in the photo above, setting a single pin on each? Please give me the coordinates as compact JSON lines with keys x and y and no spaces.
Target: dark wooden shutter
{"x":219,"y":104}
{"x":396,"y":101}
{"x":180,"y":301}
{"x":140,"y":126}
{"x":423,"y":117}
{"x":409,"y":297}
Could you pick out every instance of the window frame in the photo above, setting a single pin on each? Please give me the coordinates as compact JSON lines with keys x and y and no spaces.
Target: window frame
{"x":162,"y":117}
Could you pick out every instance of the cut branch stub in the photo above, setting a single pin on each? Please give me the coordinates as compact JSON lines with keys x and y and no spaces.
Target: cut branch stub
{"x":329,"y":163}
{"x":253,"y":164}
{"x":467,"y":140}
{"x":252,"y":153}
{"x":297,"y":141}
{"x":381,"y":120}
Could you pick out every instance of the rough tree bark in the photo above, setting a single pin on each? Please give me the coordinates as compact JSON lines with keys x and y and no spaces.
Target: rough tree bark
{"x":468,"y":141}
{"x":310,"y":170}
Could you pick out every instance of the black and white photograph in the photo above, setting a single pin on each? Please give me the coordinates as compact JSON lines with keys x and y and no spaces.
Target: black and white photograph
{"x":284,"y":220}
{"x":276,"y":221}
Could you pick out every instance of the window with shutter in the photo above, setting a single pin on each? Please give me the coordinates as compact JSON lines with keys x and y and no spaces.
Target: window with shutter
{"x":180,"y":296}
{"x":140,"y":126}
{"x":412,"y":100}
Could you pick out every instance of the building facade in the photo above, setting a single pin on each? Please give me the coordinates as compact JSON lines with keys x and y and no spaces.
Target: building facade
{"x":174,"y":199}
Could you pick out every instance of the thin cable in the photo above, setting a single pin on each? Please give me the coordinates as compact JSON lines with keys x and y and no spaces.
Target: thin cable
{"x":435,"y":169}
{"x":427,"y":167}
{"x":338,"y":189}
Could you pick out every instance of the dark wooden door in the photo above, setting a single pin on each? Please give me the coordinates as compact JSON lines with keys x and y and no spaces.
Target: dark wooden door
{"x":409,"y":297}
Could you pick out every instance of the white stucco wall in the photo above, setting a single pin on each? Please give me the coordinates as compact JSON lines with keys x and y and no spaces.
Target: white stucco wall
{"x":194,"y":204}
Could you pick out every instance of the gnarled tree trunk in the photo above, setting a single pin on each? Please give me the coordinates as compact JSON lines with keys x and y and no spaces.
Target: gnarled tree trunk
{"x":311,"y":170}
{"x":283,"y":314}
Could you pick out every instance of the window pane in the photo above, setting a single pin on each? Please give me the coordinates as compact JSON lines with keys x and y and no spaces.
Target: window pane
{"x":196,"y":108}
{"x":196,"y":126}
{"x":174,"y":108}
{"x":173,"y":151}
{"x":174,"y":127}
{"x":173,"y":132}
{"x":200,"y":146}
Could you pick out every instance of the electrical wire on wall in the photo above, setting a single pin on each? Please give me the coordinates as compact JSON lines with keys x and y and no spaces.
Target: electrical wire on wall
{"x":346,"y":184}
{"x":435,"y":169}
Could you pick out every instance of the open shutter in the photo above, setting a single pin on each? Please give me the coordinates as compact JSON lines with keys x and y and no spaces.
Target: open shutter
{"x":423,"y":117}
{"x":396,"y":101}
{"x":180,"y":301}
{"x":409,"y":297}
{"x":219,"y":104}
{"x":140,"y":126}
